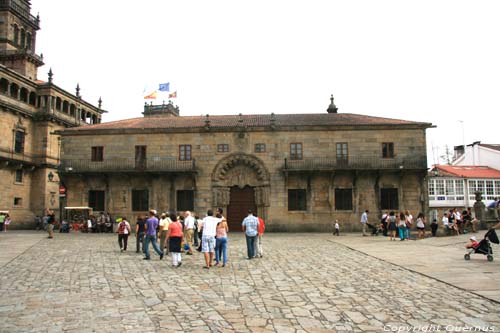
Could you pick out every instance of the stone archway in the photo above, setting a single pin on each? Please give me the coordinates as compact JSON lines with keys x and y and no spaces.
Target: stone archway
{"x":242,"y":171}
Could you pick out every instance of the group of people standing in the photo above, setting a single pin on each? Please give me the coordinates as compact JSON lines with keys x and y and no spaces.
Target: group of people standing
{"x":394,"y":223}
{"x":181,"y":234}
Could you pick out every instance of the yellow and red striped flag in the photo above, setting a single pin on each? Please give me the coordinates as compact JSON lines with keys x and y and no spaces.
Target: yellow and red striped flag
{"x":151,"y":96}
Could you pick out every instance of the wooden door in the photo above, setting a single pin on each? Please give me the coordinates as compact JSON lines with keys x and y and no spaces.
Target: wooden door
{"x":240,"y":201}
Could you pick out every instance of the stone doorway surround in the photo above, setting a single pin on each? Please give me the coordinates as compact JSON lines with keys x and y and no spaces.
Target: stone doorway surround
{"x":241,"y":170}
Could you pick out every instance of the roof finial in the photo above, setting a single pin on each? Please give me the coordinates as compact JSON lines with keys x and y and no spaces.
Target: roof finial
{"x":99,"y":102}
{"x":50,"y":75}
{"x":332,"y":108}
{"x":78,"y":90}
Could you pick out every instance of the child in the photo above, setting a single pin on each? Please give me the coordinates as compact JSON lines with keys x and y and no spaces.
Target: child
{"x":337,"y":228}
{"x":472,"y":244}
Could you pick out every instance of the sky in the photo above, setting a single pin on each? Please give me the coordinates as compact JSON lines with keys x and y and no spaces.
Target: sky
{"x":431,"y":61}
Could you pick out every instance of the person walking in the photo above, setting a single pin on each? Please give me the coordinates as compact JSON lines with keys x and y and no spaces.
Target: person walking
{"x":364,"y":221}
{"x":189,"y":231}
{"x":221,"y":242}
{"x":163,"y":226}
{"x":123,"y":231}
{"x":175,"y":235}
{"x":140,"y":231}
{"x":150,"y":237}
{"x":250,"y":226}
{"x":336,"y":228}
{"x":259,"y":250}
{"x":208,"y":229}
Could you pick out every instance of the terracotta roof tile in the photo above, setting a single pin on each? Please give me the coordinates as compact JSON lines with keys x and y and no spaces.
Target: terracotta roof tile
{"x":255,"y":120}
{"x":470,"y":171}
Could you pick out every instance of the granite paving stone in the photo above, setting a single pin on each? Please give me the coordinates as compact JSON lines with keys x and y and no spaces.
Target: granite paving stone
{"x":82,"y":283}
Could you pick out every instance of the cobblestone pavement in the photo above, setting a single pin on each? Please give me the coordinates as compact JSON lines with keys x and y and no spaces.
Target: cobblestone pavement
{"x":304,"y":283}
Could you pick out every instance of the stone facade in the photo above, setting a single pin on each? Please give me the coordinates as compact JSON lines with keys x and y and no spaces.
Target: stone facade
{"x":31,"y":111}
{"x":292,"y":189}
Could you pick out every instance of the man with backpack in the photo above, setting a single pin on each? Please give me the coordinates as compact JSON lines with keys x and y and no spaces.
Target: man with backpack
{"x":123,"y":232}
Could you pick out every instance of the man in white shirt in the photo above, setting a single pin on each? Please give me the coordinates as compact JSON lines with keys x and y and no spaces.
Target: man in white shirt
{"x":189,"y":230}
{"x":208,"y":226}
{"x":364,"y":221}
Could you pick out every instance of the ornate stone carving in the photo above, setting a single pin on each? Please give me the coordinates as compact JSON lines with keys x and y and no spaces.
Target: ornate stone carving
{"x":229,"y":171}
{"x":221,"y":196}
{"x":262,"y":196}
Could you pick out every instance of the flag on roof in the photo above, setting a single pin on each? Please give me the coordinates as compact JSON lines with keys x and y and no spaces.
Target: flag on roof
{"x":173,"y":95}
{"x":151,"y":96}
{"x":164,"y":86}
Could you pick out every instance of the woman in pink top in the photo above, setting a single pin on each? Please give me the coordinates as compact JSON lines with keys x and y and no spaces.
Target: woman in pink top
{"x":221,"y":241}
{"x":174,"y":236}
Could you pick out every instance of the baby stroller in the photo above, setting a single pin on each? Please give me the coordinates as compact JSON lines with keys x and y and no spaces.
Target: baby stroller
{"x":484,"y":246}
{"x":374,"y":229}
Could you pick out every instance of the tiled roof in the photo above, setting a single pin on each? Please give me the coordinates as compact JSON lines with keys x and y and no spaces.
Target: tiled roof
{"x":491,"y":146}
{"x":469,"y":171}
{"x":254,"y":120}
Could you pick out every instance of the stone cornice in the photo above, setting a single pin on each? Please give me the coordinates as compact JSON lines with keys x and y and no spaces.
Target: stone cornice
{"x":304,"y":128}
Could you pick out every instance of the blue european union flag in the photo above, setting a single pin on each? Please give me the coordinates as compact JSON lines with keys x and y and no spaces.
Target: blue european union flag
{"x":164,"y":86}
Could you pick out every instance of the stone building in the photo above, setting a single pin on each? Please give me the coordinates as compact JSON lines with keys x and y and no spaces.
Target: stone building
{"x":297,"y":171}
{"x":31,"y":110}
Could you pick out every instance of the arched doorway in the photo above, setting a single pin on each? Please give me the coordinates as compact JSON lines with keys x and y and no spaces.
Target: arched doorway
{"x":240,"y":182}
{"x":240,"y":201}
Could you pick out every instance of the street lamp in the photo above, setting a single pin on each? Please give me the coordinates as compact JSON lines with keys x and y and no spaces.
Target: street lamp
{"x":51,"y":176}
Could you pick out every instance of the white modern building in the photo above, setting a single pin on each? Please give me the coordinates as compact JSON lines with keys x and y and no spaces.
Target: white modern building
{"x":453,"y":186}
{"x":478,"y":154}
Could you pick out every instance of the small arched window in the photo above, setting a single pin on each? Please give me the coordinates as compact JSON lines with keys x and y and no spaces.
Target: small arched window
{"x":58,"y":103}
{"x":16,"y":35}
{"x":14,"y":89}
{"x":65,"y":107}
{"x":23,"y":96}
{"x":32,"y":99}
{"x":4,"y":86}
{"x":23,"y":38}
{"x":28,"y":41}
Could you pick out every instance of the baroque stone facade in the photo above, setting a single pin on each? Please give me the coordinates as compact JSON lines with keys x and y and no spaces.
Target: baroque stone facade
{"x":298,"y":171}
{"x":31,"y":110}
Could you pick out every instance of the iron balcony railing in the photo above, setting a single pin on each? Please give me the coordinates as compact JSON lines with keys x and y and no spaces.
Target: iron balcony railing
{"x":355,"y":163}
{"x":126,"y":165}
